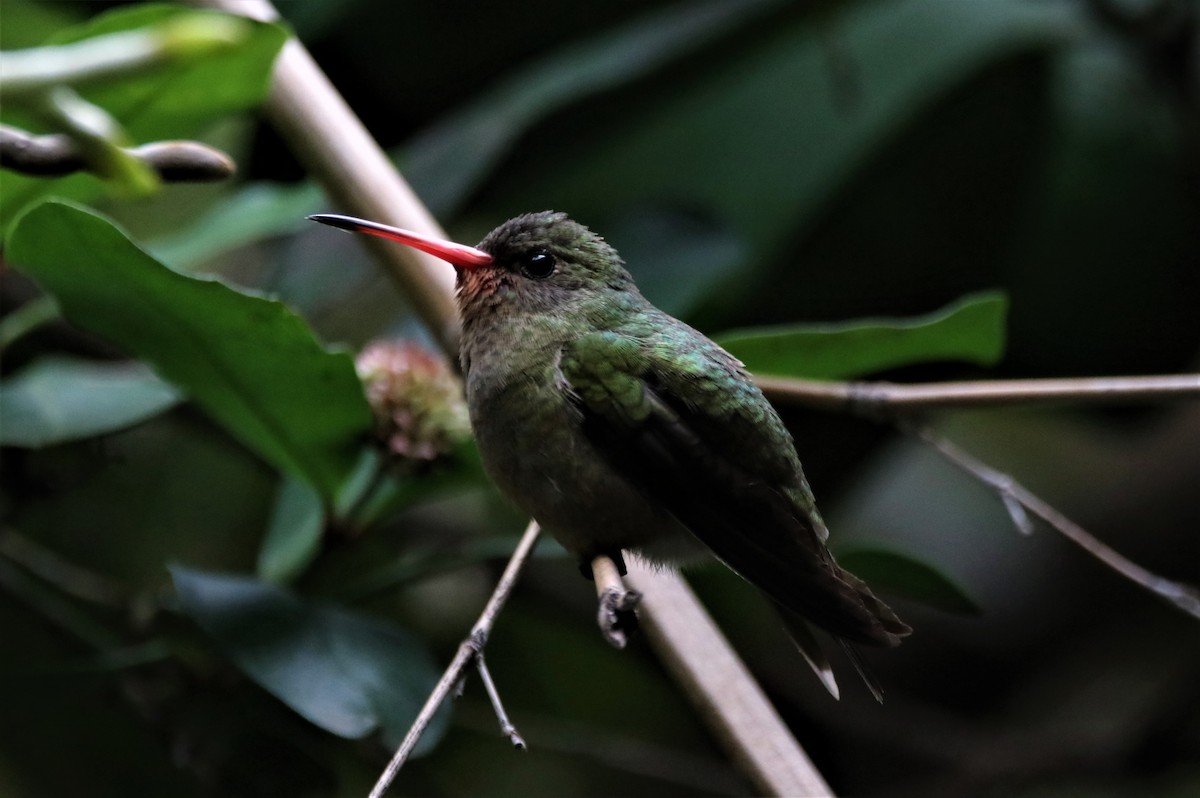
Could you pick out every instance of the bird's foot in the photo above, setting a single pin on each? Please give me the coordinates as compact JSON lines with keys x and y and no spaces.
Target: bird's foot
{"x":616,"y":615}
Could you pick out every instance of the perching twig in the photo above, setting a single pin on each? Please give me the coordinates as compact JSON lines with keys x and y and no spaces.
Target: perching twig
{"x":57,"y":154}
{"x":1185,"y":597}
{"x":880,"y":398}
{"x":469,"y":651}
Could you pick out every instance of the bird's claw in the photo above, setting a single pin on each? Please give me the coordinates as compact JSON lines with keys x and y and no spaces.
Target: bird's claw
{"x":617,"y":615}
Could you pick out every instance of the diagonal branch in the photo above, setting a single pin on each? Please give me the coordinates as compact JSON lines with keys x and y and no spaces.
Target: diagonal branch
{"x":881,"y":400}
{"x":1018,"y":498}
{"x":716,"y":680}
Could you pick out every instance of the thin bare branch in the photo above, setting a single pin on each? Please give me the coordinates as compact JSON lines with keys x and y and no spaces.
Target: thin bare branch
{"x":880,"y":398}
{"x":1182,"y":596}
{"x":506,"y":726}
{"x":68,"y":577}
{"x":469,"y":650}
{"x":57,"y":154}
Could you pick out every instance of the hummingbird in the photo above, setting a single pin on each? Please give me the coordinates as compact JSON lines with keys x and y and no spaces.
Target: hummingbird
{"x":620,"y":428}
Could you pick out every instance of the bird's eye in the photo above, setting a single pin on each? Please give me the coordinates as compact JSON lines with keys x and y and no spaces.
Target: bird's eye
{"x":537,"y":265}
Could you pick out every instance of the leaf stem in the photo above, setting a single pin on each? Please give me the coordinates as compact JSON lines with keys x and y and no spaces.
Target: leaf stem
{"x":26,"y":319}
{"x":68,"y":577}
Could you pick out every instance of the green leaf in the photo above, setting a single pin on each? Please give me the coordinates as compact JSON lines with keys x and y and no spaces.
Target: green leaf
{"x":970,"y":329}
{"x":766,"y":136}
{"x":676,"y":254}
{"x":345,"y":672}
{"x":447,"y":161}
{"x":909,"y":578}
{"x":254,"y":211}
{"x":395,"y":492}
{"x":180,"y":97}
{"x":248,"y":361}
{"x":176,"y":100}
{"x":59,"y":399}
{"x":294,"y":535}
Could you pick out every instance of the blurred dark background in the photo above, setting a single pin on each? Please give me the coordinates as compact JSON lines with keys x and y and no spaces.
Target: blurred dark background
{"x":756,"y":163}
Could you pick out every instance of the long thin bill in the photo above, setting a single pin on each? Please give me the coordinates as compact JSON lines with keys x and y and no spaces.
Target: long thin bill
{"x":458,"y":254}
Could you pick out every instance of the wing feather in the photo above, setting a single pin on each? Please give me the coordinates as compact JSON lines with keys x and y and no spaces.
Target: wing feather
{"x":751,"y":520}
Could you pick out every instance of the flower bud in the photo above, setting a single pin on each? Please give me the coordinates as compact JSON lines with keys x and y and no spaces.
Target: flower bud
{"x":417,"y":400}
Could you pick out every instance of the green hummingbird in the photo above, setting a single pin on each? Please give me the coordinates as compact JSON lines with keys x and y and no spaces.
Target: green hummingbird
{"x":620,"y":428}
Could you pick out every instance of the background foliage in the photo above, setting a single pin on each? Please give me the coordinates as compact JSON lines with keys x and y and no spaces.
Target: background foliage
{"x":207,"y":592}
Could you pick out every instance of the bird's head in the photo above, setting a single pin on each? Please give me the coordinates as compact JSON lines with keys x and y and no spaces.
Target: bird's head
{"x":538,"y":262}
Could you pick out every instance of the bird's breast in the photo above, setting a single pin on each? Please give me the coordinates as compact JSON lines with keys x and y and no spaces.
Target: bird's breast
{"x":531,"y":441}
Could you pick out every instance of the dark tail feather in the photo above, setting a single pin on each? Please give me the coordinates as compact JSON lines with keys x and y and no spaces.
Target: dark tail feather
{"x":864,"y":672}
{"x":893,"y":630}
{"x":809,"y":648}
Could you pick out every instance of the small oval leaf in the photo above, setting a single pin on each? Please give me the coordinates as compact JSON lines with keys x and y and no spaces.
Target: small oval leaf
{"x":970,"y":329}
{"x":345,"y":672}
{"x":293,"y":537}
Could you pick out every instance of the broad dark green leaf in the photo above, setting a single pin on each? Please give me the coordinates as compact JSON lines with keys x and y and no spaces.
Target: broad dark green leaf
{"x":345,"y":672}
{"x":253,"y":212}
{"x":768,"y":135}
{"x":293,"y":537}
{"x":449,"y":160}
{"x":248,"y":361}
{"x":175,"y":100}
{"x":675,"y":254}
{"x":60,"y":399}
{"x":971,"y":330}
{"x":904,"y":576}
{"x":181,"y":97}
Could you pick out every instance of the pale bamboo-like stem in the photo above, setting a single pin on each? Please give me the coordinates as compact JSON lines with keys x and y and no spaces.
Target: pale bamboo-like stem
{"x":717,"y":681}
{"x":355,"y":173}
{"x":878,"y":398}
{"x":337,"y":150}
